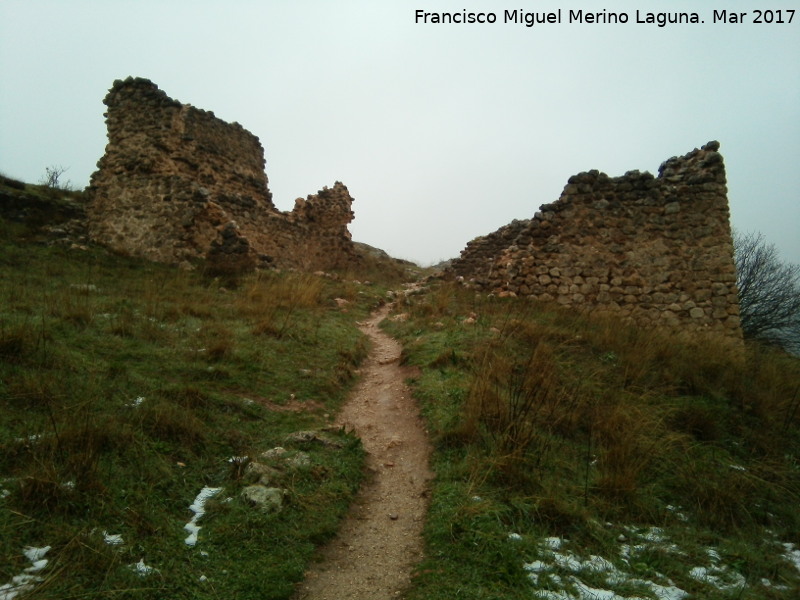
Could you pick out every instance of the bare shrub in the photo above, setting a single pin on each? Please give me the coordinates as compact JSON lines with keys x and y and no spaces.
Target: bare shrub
{"x":52,"y":178}
{"x":769,"y":292}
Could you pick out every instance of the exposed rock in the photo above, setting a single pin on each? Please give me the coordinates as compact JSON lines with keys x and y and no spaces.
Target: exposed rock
{"x":257,"y":472}
{"x":311,"y":437}
{"x":291,"y":458}
{"x":299,"y":461}
{"x":275,"y":453}
{"x":268,"y":499}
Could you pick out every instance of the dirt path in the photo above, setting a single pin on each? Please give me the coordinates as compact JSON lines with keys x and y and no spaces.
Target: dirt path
{"x":381,"y":538}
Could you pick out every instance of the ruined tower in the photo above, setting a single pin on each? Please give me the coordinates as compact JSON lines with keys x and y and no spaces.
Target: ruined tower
{"x":178,"y":184}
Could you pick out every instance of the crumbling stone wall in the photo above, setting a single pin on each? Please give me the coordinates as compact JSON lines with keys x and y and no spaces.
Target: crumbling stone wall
{"x":655,"y":250}
{"x":176,"y":184}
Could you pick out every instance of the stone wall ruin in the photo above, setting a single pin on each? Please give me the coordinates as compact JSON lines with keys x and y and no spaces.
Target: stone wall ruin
{"x":654,"y":250}
{"x":178,"y":184}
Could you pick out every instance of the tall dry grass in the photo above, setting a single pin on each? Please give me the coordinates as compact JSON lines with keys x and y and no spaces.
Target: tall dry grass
{"x":272,"y":300}
{"x":588,"y":411}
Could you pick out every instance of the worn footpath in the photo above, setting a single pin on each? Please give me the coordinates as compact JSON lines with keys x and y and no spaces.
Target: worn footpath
{"x":378,"y":544}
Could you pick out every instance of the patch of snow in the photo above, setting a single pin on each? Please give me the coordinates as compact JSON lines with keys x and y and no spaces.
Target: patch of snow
{"x":35,"y":554}
{"x":792,"y":555}
{"x":112,"y":539}
{"x":654,"y":534}
{"x":568,"y":561}
{"x":598,"y":564}
{"x":554,"y":543}
{"x":553,"y":595}
{"x":536,"y":566}
{"x":718,"y":577}
{"x":586,"y":592}
{"x":25,"y":581}
{"x":198,"y":508}
{"x":653,"y":537}
{"x":514,"y":536}
{"x":558,"y":558}
{"x":676,"y":510}
{"x":142,"y":569}
{"x":669,"y":592}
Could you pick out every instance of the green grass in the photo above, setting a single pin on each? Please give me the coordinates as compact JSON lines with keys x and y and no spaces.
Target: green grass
{"x":547,"y":423}
{"x":126,"y":387}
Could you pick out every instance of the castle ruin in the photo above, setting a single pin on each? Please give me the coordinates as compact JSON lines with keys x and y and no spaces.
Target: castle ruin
{"x":654,"y":250}
{"x":178,"y":184}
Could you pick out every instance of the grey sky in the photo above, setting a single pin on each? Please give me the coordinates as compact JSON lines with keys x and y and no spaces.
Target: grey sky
{"x":441,"y":132}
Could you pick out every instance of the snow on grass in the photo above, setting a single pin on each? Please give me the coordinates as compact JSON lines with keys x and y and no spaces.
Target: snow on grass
{"x":560,"y":574}
{"x":792,"y":554}
{"x":719,"y":577}
{"x":198,"y":508}
{"x":113,"y":539}
{"x":557,"y":559}
{"x":25,"y":581}
{"x":142,"y":569}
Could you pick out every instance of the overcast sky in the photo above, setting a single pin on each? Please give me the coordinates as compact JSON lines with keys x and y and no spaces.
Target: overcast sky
{"x":441,"y":132}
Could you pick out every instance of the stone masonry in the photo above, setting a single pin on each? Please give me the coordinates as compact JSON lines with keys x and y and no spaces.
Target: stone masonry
{"x":178,"y":184}
{"x":654,"y":250}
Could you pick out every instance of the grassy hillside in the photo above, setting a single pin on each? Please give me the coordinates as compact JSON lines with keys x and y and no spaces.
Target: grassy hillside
{"x":134,"y":397}
{"x":575,"y":458}
{"x":579,"y":458}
